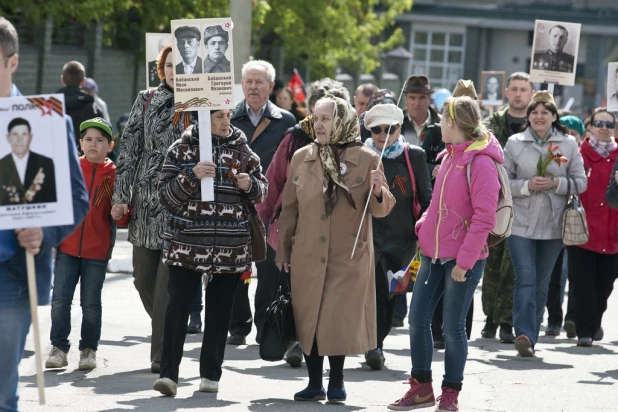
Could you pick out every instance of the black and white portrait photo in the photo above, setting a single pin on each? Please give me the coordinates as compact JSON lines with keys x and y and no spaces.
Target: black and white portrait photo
{"x":555,"y":49}
{"x":216,"y":43}
{"x":492,"y":88}
{"x":25,"y":176}
{"x":155,"y":42}
{"x":612,"y":87}
{"x":188,"y":39}
{"x":35,"y":179}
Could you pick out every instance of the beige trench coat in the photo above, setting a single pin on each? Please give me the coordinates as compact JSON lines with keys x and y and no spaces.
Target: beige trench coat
{"x":333,"y":295}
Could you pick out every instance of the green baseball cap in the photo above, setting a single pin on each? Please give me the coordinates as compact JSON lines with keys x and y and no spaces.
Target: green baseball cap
{"x":99,"y":123}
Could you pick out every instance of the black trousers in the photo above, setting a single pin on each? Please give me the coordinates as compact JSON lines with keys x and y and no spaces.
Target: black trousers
{"x":385,"y":306}
{"x":593,"y":276}
{"x":182,"y":287}
{"x":315,"y":366}
{"x":437,"y":320}
{"x":268,"y":278}
{"x":554,"y":296}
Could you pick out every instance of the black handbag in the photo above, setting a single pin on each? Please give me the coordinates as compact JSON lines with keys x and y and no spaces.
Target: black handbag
{"x":257,"y":229}
{"x":279,"y":330}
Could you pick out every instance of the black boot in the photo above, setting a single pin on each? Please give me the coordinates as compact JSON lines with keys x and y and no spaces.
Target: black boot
{"x":489,"y":331}
{"x":506,"y":333}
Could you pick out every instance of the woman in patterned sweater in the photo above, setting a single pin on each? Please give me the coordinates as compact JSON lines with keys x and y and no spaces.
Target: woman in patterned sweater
{"x":206,"y":237}
{"x":152,"y":127}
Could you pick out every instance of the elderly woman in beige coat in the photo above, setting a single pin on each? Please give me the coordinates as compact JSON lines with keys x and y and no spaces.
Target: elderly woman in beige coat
{"x":333,"y":294}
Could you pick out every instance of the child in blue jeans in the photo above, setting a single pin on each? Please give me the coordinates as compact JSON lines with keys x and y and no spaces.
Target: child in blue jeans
{"x":83,"y":256}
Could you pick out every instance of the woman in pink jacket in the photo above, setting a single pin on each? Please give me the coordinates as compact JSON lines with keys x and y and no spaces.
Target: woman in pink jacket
{"x":452,"y":237}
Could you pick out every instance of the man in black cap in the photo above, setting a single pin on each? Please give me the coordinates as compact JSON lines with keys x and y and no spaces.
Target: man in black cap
{"x":554,"y":59}
{"x":188,"y":42}
{"x":419,"y":115}
{"x":216,"y":40}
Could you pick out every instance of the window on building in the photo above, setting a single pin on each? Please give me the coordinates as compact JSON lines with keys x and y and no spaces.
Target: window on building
{"x":438,"y":54}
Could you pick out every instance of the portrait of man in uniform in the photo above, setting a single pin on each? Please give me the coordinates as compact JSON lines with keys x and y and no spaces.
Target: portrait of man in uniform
{"x":188,"y":43}
{"x":153,"y":76}
{"x":25,"y":177}
{"x":492,"y":89}
{"x":554,"y":58}
{"x":216,"y":42}
{"x":612,"y":86}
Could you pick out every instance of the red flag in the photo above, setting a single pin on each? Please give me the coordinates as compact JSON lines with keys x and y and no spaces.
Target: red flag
{"x":298,"y":87}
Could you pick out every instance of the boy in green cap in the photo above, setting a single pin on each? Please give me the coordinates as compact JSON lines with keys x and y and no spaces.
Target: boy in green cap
{"x":83,"y":256}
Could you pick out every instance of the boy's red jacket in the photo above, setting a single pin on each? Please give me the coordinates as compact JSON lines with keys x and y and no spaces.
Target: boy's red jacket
{"x":95,"y":237}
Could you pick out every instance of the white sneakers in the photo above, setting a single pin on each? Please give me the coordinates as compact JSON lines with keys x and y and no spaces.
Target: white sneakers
{"x":209,"y":386}
{"x":57,"y":359}
{"x":166,"y":386}
{"x":87,"y":360}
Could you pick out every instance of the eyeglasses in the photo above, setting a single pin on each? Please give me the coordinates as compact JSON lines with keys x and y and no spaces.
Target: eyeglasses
{"x":600,"y":123}
{"x":379,"y":129}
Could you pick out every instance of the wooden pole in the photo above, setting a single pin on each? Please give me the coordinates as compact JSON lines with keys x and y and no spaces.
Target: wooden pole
{"x":34,"y":306}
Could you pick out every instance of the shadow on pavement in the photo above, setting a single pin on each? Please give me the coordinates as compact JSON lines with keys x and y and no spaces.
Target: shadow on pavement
{"x":274,"y":404}
{"x":609,"y":374}
{"x":518,"y":363}
{"x":199,"y":400}
{"x":578,"y":350}
{"x":491,"y":345}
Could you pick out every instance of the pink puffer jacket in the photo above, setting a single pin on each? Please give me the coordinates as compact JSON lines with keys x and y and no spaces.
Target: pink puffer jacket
{"x":460,"y":216}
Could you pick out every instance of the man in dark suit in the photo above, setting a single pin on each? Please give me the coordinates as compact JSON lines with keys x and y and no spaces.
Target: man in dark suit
{"x":25,"y":176}
{"x":216,"y":40}
{"x":188,"y":42}
{"x":153,"y":74}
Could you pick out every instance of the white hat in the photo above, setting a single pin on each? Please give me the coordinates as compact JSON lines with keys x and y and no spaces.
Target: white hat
{"x":383,"y":114}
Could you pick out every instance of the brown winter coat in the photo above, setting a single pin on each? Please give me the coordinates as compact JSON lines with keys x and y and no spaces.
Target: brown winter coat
{"x":333,"y":295}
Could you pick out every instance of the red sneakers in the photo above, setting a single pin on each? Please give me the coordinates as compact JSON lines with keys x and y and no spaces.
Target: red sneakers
{"x":420,"y":395}
{"x":448,"y":401}
{"x":524,"y":346}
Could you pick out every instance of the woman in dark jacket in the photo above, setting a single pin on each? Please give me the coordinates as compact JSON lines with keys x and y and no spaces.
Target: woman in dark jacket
{"x":202,"y":237}
{"x":594,"y":265}
{"x":152,"y":127}
{"x":394,"y":238}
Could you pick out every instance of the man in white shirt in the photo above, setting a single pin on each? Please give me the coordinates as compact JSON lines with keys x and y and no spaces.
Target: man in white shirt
{"x":25,"y":176}
{"x":188,"y":43}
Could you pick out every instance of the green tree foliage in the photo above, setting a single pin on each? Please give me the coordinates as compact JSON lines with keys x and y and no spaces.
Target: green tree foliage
{"x":324,"y":33}
{"x":331,"y":32}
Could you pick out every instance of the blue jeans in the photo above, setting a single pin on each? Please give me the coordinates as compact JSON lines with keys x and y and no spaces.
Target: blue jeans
{"x":91,"y":274}
{"x":14,"y":326}
{"x":533,"y":261}
{"x":433,"y":281}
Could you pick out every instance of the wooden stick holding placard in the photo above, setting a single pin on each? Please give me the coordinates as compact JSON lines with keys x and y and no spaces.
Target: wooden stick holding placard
{"x":34,"y":306}
{"x":208,"y":183}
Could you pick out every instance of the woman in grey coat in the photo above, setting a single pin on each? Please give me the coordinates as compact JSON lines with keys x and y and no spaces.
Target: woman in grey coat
{"x":538,"y":205}
{"x":152,"y":127}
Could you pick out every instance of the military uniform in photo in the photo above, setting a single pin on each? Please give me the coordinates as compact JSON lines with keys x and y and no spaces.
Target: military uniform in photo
{"x":38,"y":184}
{"x":153,"y":74}
{"x":556,"y":62}
{"x":215,"y":61}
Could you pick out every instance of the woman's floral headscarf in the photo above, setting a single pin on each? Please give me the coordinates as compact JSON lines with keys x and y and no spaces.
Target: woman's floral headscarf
{"x":345,"y":131}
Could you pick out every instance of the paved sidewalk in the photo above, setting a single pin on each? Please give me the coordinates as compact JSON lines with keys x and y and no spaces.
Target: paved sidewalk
{"x":562,"y":378}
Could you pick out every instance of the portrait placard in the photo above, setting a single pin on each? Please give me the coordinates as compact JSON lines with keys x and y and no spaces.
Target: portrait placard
{"x":612,"y":87}
{"x":203,"y":64}
{"x":35,"y":180}
{"x":492,"y":88}
{"x":155,"y":42}
{"x":554,"y":52}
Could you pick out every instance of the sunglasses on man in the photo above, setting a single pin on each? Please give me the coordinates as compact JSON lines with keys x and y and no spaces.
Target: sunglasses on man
{"x":379,"y":129}
{"x":600,"y":123}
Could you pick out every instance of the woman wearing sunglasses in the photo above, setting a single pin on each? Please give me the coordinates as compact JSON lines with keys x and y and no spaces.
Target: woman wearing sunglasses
{"x":394,"y":239}
{"x":538,"y":207}
{"x":594,"y":266}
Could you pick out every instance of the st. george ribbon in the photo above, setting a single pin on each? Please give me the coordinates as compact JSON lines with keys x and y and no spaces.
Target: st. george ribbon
{"x":377,"y":168}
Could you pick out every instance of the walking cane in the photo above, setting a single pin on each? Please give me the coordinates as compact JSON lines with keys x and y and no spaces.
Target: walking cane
{"x":377,"y":168}
{"x":34,"y":304}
